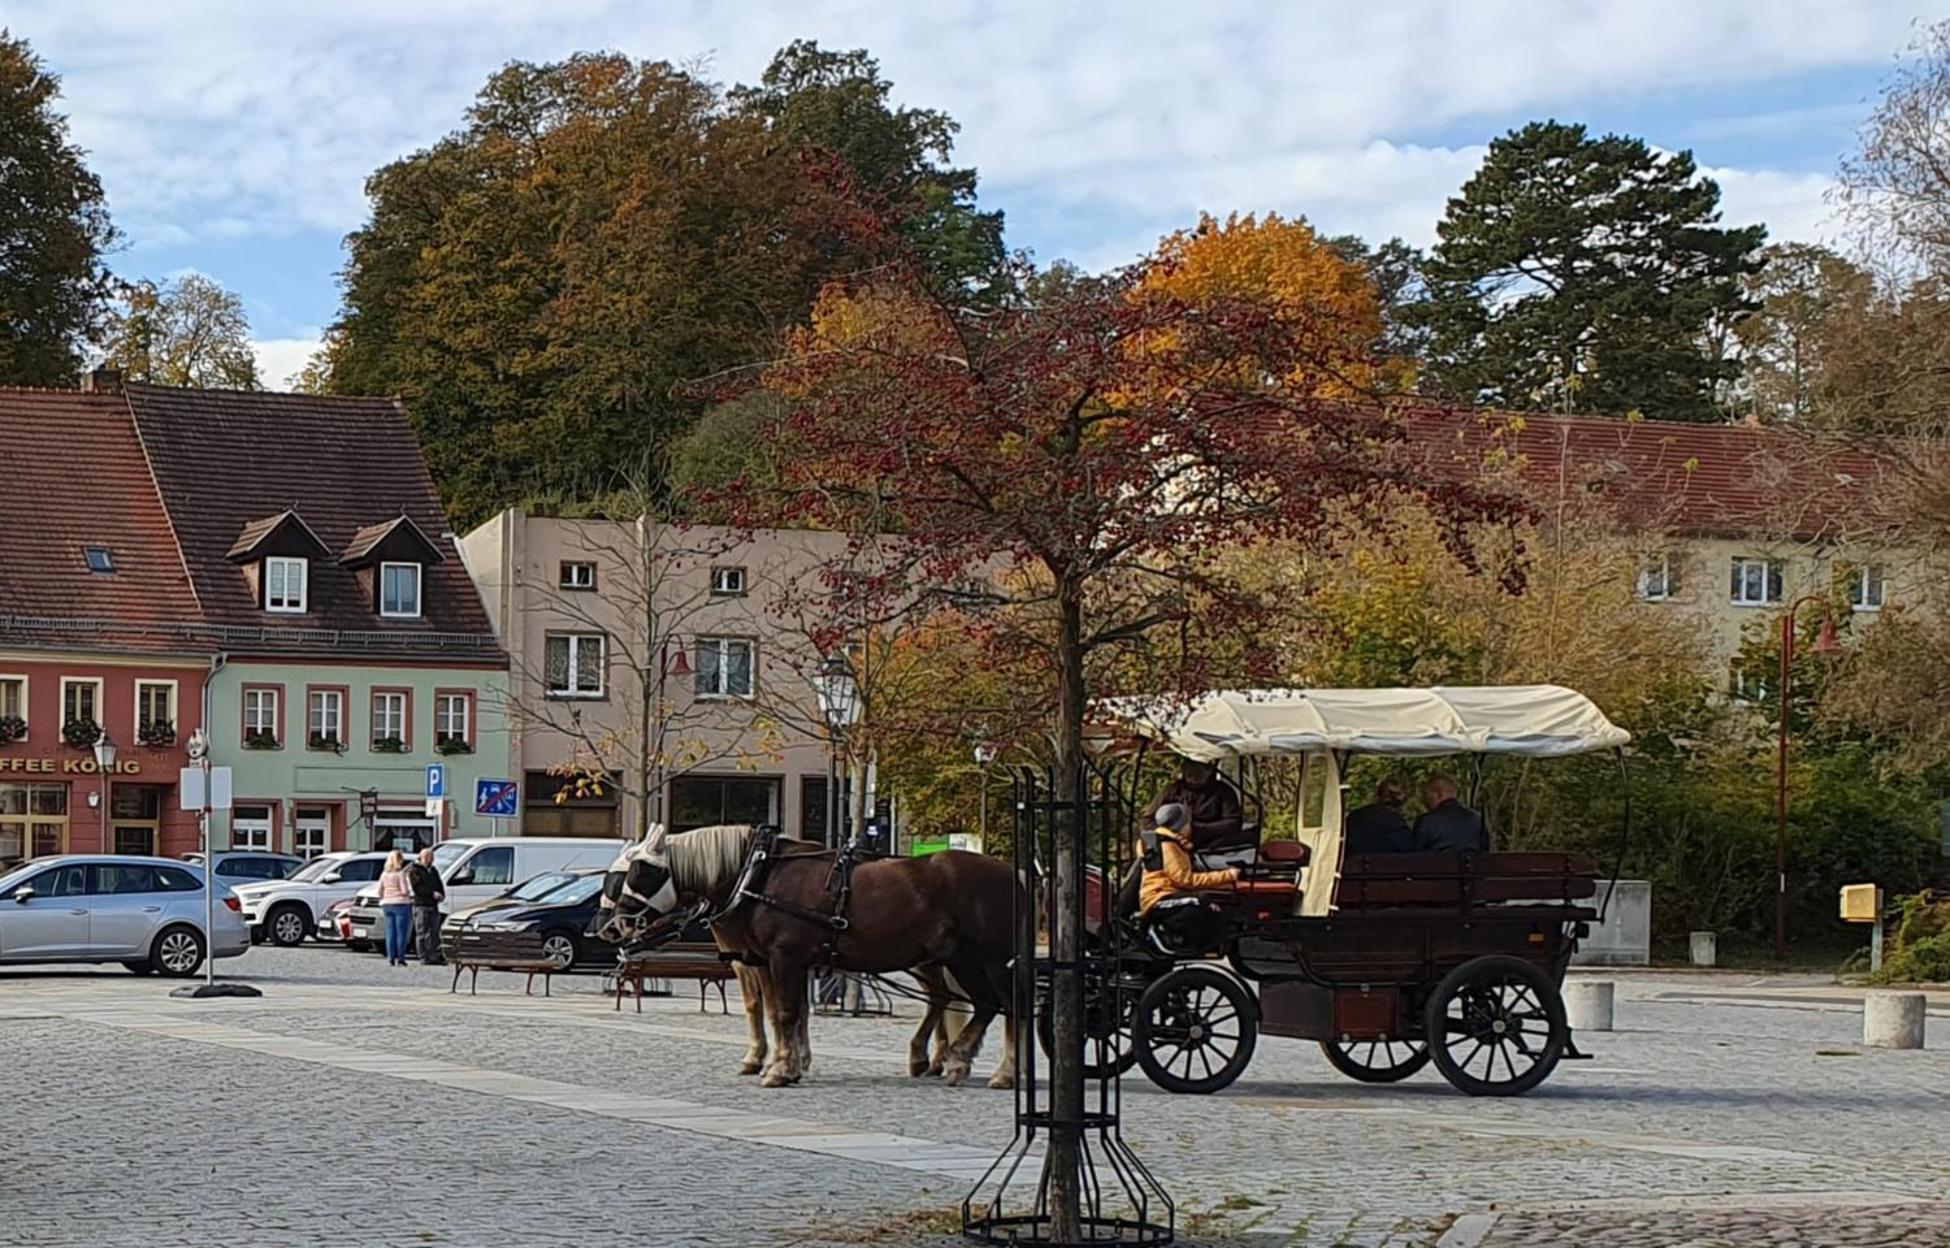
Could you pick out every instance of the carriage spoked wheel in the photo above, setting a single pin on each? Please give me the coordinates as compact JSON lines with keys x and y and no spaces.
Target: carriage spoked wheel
{"x":1376,"y":1061}
{"x":1195,"y":1029}
{"x":1496,"y":1026}
{"x":1107,"y":1046}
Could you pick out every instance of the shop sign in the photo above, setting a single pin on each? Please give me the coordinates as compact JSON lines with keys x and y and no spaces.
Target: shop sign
{"x":68,"y":766}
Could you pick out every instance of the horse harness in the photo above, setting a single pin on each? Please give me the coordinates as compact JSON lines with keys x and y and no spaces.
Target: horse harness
{"x":839,"y":889}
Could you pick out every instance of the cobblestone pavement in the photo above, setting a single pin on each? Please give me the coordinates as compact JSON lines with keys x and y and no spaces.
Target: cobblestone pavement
{"x":359,"y":1103}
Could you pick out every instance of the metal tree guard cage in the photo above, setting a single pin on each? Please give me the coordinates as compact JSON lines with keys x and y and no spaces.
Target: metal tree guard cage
{"x":1121,"y":1202}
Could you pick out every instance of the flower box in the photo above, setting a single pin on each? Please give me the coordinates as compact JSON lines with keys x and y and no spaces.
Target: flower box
{"x":260,"y":740}
{"x":326,"y":741}
{"x":81,"y":733}
{"x":12,"y":728}
{"x":388,"y":745}
{"x":157,"y":735}
{"x":453,"y":745}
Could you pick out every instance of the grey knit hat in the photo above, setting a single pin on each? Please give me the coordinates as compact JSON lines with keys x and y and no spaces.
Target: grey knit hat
{"x":1174,"y":816}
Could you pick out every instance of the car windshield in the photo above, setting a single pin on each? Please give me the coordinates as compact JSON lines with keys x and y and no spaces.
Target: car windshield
{"x":316,"y":869}
{"x":444,"y":855}
{"x":579,"y":888}
{"x":540,"y":886}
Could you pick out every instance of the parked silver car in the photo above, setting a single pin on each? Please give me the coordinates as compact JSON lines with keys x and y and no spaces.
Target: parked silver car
{"x":146,"y":913}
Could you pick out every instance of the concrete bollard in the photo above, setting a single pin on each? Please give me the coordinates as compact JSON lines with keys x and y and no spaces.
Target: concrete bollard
{"x":1893,"y":1020}
{"x":1705,"y":949}
{"x":1588,"y":1004}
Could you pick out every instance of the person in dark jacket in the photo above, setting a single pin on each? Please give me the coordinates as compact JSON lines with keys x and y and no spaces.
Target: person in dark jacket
{"x":428,"y":893}
{"x":1218,"y":818}
{"x":1446,"y":824}
{"x":1380,"y":827}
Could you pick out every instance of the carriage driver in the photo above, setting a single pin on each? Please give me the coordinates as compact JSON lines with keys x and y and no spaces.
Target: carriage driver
{"x":1168,"y":893}
{"x":1218,"y":820}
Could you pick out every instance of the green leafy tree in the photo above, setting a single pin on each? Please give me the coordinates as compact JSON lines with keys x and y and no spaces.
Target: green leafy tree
{"x":189,"y":332}
{"x":1585,"y":274}
{"x":54,"y":230}
{"x":1804,"y":299}
{"x":838,"y":102}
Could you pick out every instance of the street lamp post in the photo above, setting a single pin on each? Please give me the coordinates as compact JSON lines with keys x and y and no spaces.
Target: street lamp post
{"x":105,"y":767}
{"x":984,"y":758}
{"x":1825,"y":644}
{"x":839,"y":705}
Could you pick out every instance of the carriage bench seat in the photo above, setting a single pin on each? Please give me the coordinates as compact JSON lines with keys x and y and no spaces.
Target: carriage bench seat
{"x":700,"y":961}
{"x":1371,"y":881}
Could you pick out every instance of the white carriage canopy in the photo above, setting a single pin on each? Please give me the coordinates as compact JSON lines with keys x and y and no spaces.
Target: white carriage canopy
{"x":1533,"y":721}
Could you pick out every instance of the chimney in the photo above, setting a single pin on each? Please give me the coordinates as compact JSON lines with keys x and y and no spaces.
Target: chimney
{"x":103,"y":380}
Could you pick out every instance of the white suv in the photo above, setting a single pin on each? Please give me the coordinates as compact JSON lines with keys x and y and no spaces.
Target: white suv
{"x":286,"y":911}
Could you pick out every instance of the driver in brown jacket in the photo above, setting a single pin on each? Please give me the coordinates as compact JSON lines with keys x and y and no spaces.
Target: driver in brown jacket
{"x":1168,"y":892}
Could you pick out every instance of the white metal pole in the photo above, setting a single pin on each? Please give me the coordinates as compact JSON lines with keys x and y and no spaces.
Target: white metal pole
{"x":209,"y":882}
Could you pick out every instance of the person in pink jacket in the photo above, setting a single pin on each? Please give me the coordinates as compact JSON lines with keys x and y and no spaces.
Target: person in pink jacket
{"x":396,"y":903}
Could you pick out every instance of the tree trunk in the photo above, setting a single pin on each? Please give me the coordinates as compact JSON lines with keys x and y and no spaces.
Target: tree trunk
{"x":1066,"y":1195}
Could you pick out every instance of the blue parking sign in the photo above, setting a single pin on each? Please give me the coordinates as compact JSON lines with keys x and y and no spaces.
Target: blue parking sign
{"x":496,"y":799}
{"x":436,"y":780}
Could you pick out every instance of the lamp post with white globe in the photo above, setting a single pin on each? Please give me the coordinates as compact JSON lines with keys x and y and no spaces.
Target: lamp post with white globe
{"x":105,"y":767}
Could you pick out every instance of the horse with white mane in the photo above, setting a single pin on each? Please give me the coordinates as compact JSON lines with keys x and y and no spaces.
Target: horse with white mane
{"x":944,"y":918}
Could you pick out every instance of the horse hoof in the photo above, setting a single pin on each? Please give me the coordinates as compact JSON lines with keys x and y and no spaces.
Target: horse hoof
{"x":934,"y":1070}
{"x":917,"y":1068}
{"x":1002,"y":1082}
{"x":751,"y":1067}
{"x":955,"y":1076}
{"x":776,"y":1079}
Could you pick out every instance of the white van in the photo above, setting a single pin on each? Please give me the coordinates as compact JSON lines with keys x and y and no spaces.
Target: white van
{"x":482,"y":869}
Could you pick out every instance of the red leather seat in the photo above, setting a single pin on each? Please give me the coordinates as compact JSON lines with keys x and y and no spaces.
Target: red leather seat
{"x":1286,"y":852}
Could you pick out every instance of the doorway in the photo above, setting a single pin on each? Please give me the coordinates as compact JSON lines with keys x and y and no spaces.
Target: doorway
{"x":135,"y":812}
{"x":311,"y":831}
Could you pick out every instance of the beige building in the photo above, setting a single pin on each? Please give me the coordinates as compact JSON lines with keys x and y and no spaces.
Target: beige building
{"x":660,"y":671}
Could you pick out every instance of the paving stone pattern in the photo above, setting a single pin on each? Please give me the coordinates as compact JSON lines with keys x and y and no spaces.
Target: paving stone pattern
{"x":358,"y":1103}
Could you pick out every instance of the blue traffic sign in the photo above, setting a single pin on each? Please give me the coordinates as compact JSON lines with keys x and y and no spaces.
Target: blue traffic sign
{"x":496,"y":799}
{"x":436,"y":779}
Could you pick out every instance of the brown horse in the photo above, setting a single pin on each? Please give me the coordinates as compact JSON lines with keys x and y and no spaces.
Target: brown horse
{"x":947,"y":1009}
{"x":946,"y":918}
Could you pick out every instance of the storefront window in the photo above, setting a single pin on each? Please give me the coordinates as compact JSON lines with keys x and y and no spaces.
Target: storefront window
{"x":700,"y":801}
{"x":33,"y":821}
{"x":589,"y":815}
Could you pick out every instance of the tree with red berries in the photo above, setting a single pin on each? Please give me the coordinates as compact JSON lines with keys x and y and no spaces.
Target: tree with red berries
{"x":1080,"y":454}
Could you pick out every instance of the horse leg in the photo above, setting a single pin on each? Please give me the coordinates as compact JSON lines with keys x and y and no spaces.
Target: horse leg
{"x":751,"y":989}
{"x":787,"y":1003}
{"x":963,"y":1049}
{"x":917,"y":1048}
{"x":1004,"y":990}
{"x":953,"y":1021}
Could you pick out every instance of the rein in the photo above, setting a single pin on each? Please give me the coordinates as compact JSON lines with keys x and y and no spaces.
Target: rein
{"x":751,"y":884}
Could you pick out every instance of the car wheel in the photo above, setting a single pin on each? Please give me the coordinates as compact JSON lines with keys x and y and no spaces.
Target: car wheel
{"x":138,"y":968}
{"x":559,"y":950}
{"x":288,"y":924}
{"x":178,"y":952}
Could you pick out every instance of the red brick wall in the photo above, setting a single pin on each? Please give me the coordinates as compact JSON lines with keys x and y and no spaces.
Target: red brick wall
{"x":45,"y":758}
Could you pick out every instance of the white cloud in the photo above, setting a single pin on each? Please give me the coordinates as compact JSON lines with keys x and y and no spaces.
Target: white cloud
{"x":280,"y":360}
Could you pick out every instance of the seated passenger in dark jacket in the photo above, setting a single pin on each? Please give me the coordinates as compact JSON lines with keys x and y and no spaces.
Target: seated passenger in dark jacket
{"x":1380,"y":827}
{"x":1446,"y":824}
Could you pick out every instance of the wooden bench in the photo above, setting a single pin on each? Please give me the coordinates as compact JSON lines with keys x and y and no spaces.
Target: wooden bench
{"x":531,"y":969}
{"x":693,"y":960}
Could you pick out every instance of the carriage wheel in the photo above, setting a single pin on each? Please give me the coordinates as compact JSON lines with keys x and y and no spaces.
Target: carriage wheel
{"x":1496,"y":1026}
{"x":1376,"y":1061}
{"x":1107,"y":1049}
{"x":1195,"y":1030}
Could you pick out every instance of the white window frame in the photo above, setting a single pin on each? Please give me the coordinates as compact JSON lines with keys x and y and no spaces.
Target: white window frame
{"x":283,"y":605}
{"x":465,"y":735}
{"x":1655,"y":568}
{"x":334,"y":698}
{"x":96,"y":683}
{"x":576,"y":642}
{"x":1752,"y":685}
{"x":10,"y":678}
{"x":260,"y":831}
{"x":304,"y":849}
{"x":135,"y":726}
{"x":723,"y":646}
{"x":566,"y":576}
{"x":395,"y":701}
{"x":419,"y":591}
{"x":1859,"y":581}
{"x":729,"y":582}
{"x":276,"y":698}
{"x":1772,"y":570}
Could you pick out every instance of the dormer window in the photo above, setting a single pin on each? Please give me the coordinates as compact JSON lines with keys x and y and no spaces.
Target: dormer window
{"x":399,"y":591}
{"x":285,"y":584}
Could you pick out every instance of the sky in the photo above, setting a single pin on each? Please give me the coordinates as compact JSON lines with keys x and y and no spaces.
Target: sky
{"x":234,"y":138}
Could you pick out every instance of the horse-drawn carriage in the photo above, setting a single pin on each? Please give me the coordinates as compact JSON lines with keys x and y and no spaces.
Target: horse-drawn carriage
{"x":1389,"y":961}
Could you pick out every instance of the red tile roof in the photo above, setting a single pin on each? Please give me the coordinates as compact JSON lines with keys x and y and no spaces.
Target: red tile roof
{"x":1701,"y":480}
{"x":225,"y":459}
{"x":75,"y":477}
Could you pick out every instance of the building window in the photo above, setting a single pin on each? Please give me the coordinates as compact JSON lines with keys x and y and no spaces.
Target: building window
{"x":576,"y":575}
{"x":389,"y":721}
{"x":284,"y":585}
{"x":155,"y":713}
{"x":311,"y":831}
{"x":250,"y":828}
{"x":263,"y":725}
{"x":728,"y":582}
{"x":724,"y":667}
{"x":1756,"y":582}
{"x":1658,"y":579}
{"x":575,"y":665}
{"x":399,"y":591}
{"x":1865,"y":588}
{"x":453,"y":722}
{"x":99,"y":559}
{"x":1750,"y":684}
{"x":555,"y":806}
{"x":325,"y":719}
{"x":33,"y":821}
{"x":13,"y":709}
{"x":81,"y":702}
{"x":700,"y":801}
